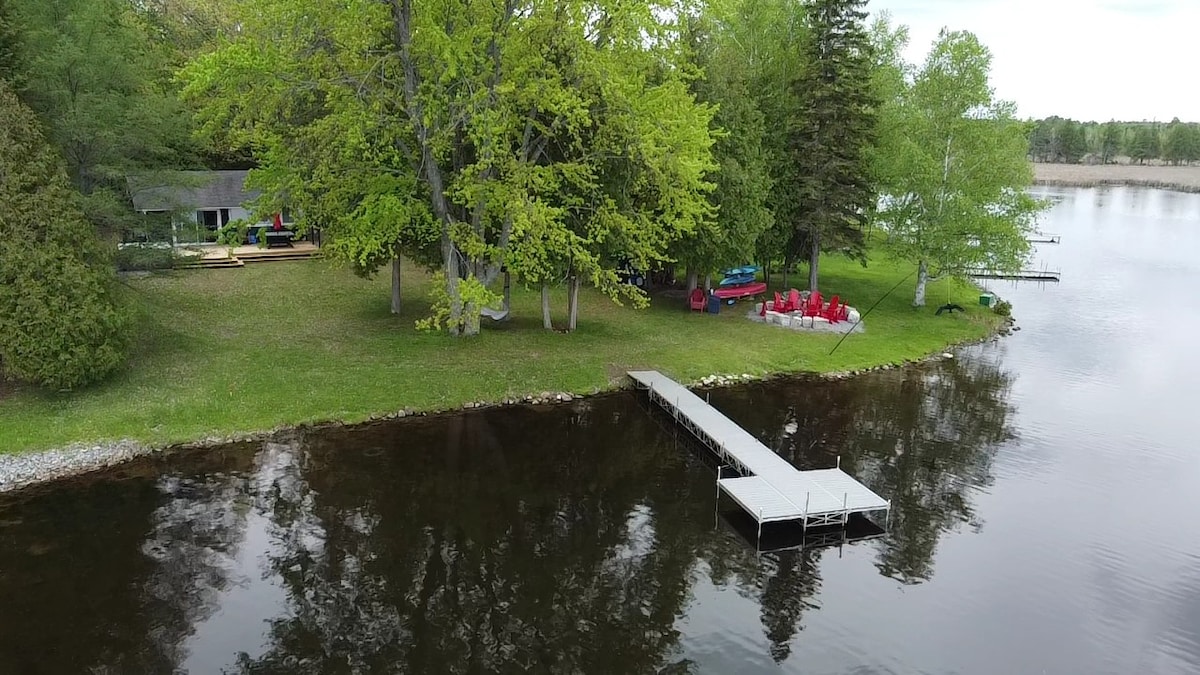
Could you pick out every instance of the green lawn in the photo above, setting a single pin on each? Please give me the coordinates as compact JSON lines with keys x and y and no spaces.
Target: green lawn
{"x":224,"y":351}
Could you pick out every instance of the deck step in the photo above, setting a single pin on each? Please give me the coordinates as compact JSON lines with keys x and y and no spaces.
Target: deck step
{"x":214,"y":264}
{"x":299,"y":255}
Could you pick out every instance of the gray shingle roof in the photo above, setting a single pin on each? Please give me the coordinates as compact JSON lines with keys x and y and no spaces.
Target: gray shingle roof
{"x":190,"y":190}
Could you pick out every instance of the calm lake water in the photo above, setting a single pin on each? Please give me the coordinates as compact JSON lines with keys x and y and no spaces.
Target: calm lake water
{"x":1046,"y":491}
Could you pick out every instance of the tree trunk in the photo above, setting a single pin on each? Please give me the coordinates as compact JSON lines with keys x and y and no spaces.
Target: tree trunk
{"x":573,"y":303}
{"x":766,"y":272}
{"x":922,"y":279}
{"x":450,"y":260}
{"x":396,"y":285}
{"x":707,"y":283}
{"x":693,"y":279}
{"x":507,"y":308}
{"x":814,"y":262}
{"x":786,"y":265}
{"x":546,"y":322}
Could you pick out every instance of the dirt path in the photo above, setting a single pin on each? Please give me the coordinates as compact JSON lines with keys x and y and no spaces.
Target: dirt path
{"x":1182,"y":178}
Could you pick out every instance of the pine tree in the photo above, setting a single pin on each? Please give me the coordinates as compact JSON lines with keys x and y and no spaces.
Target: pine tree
{"x":825,"y":187}
{"x":60,"y":323}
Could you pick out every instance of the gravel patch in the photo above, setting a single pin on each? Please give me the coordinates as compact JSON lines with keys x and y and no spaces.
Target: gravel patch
{"x":22,"y":470}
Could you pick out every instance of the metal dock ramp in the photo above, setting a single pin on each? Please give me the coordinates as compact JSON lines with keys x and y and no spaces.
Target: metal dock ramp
{"x":770,"y":489}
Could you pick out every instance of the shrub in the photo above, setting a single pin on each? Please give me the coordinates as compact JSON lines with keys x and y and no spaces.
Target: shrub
{"x":1003,"y":308}
{"x":139,"y":258}
{"x":61,"y":322}
{"x":233,"y":233}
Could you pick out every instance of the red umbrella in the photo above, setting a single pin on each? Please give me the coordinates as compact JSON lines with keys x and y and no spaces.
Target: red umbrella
{"x":278,"y":222}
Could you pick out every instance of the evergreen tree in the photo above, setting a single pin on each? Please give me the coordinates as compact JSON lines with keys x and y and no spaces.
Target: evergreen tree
{"x":1072,"y":142}
{"x":60,"y":323}
{"x":1181,"y":143}
{"x":743,"y":181}
{"x":1144,"y":143}
{"x":825,"y":189}
{"x":1109,"y":141}
{"x":102,"y":87}
{"x":8,"y":43}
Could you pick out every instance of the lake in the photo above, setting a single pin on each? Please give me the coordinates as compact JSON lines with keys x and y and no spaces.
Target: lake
{"x":1045,"y":493}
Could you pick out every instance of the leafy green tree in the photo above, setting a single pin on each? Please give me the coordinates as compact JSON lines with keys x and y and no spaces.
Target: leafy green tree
{"x":1109,"y":141}
{"x":825,"y":181}
{"x":551,"y":139}
{"x":1144,"y":143}
{"x":60,"y":322}
{"x":954,"y":168}
{"x":1044,"y":145}
{"x":743,"y":180}
{"x":100,"y":85}
{"x":1072,"y":142}
{"x":1181,"y":143}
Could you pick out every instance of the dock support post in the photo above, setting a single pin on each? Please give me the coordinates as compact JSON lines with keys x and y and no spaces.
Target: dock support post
{"x":839,"y":461}
{"x":845,"y":513}
{"x":807,"y":495}
{"x":758,"y":541}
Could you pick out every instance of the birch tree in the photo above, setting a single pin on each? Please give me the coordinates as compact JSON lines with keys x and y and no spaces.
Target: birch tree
{"x":953,"y":164}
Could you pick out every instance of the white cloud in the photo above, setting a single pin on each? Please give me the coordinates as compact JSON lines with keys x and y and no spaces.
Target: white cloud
{"x":1086,"y":59}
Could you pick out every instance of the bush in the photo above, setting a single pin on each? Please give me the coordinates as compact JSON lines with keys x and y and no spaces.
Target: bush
{"x":233,"y":233}
{"x":61,"y":325}
{"x":1003,"y":308}
{"x":145,"y":258}
{"x":61,"y":322}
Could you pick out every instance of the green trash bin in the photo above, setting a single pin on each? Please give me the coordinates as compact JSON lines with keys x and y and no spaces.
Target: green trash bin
{"x":986,"y":299}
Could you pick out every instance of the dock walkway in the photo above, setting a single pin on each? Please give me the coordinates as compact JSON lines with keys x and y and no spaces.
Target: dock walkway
{"x":769,"y":488}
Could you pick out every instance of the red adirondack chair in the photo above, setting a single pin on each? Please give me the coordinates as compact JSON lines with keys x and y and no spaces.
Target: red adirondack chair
{"x":779,"y":305}
{"x":834,"y":311}
{"x":794,"y":303}
{"x":813,"y":308}
{"x":697,"y":300}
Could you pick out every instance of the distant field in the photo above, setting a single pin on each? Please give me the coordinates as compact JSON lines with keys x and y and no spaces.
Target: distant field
{"x":1183,"y":178}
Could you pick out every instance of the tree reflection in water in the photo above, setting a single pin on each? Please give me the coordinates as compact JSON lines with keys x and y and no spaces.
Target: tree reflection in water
{"x":563,"y":539}
{"x":923,"y":437}
{"x":480,"y":553}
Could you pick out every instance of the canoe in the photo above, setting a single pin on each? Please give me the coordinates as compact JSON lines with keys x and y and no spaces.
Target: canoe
{"x":743,"y":291}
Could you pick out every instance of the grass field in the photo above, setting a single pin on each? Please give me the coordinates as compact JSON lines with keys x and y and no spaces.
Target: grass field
{"x":227,"y":351}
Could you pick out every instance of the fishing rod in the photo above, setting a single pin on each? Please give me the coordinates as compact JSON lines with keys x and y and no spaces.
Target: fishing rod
{"x":871,"y":309}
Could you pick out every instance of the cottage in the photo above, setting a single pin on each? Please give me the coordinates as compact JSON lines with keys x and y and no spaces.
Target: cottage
{"x":197,"y":204}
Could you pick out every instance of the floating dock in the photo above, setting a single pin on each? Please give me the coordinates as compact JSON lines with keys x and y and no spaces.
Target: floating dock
{"x":768,"y":487}
{"x":1023,"y":275}
{"x":1044,"y":238}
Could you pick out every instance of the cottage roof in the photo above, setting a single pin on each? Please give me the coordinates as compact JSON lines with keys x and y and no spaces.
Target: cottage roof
{"x":185,"y":190}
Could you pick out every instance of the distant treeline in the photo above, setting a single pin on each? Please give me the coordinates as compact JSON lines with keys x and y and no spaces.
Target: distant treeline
{"x":1055,"y":139}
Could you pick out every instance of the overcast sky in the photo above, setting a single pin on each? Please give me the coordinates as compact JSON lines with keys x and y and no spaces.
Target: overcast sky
{"x":1085,"y":59}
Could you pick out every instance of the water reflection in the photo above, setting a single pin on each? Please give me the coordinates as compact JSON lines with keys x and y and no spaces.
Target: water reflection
{"x":558,"y":540}
{"x":922,"y":437}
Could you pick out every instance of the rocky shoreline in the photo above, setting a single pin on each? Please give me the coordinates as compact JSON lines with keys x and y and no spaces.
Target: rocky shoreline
{"x":18,"y":471}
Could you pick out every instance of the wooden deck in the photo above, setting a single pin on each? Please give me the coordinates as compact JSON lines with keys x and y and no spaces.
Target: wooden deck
{"x":239,"y":256}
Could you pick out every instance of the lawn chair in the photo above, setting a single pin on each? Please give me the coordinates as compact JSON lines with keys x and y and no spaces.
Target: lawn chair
{"x":697,"y":301}
{"x":813,"y":308}
{"x":778,"y":305}
{"x":833,"y":312}
{"x":793,"y":301}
